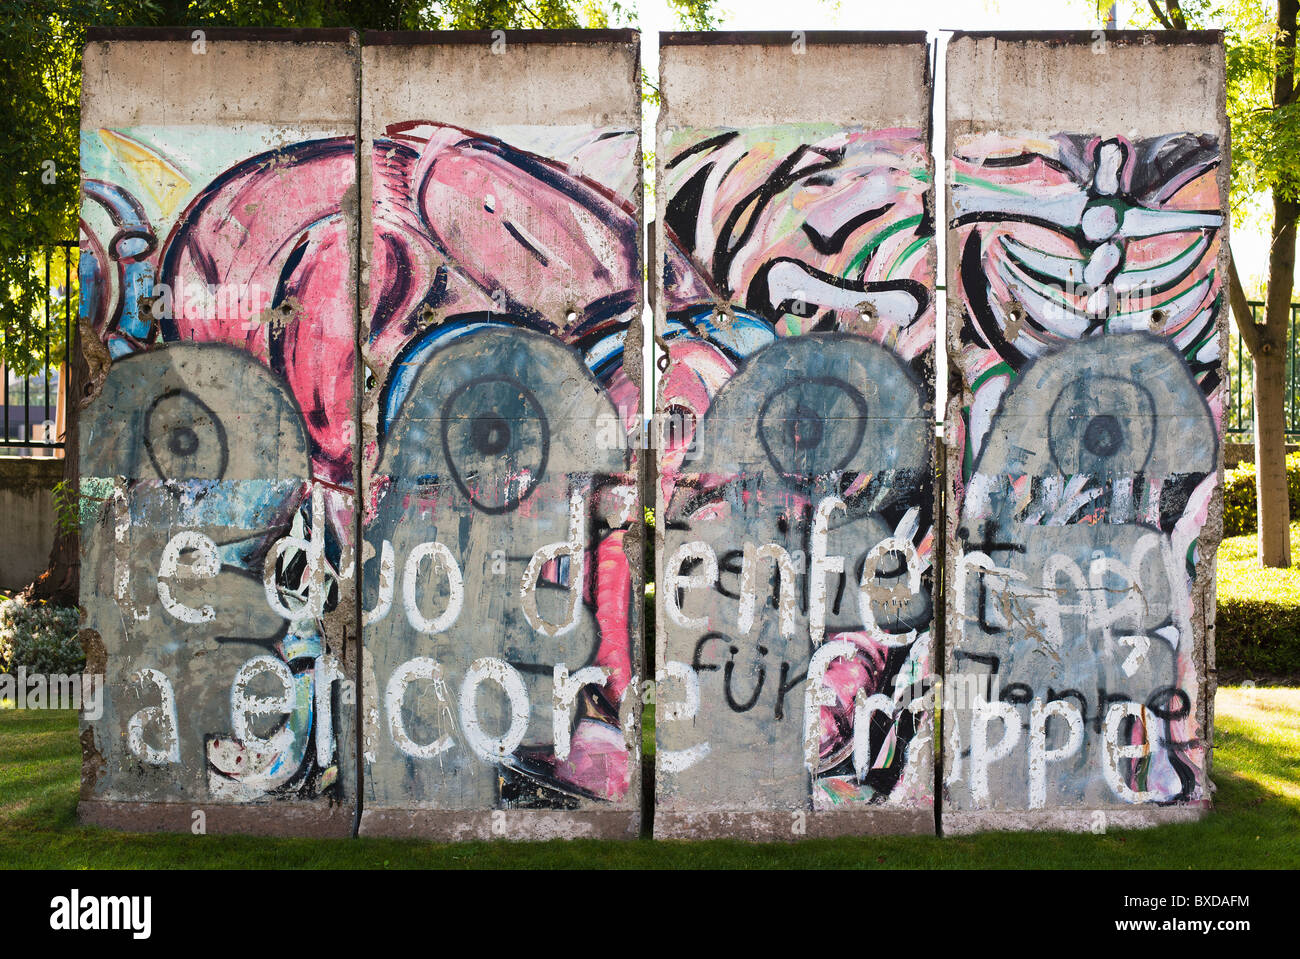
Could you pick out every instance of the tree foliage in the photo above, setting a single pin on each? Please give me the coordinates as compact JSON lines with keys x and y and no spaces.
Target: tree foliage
{"x":1265,"y":135}
{"x":40,"y":92}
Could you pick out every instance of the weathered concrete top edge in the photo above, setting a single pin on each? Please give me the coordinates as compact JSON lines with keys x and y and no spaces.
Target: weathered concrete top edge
{"x":257,"y":34}
{"x":698,"y":38}
{"x":1162,"y":37}
{"x":21,"y":468}
{"x":377,"y":38}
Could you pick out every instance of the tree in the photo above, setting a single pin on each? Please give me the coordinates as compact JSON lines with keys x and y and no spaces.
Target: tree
{"x":40,"y":95}
{"x":1265,"y":119}
{"x":39,"y":109}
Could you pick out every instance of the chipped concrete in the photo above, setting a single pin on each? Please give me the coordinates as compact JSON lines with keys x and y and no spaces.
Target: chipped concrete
{"x":796,"y":443}
{"x":205,"y":446}
{"x":1082,"y":475}
{"x":501,"y":196}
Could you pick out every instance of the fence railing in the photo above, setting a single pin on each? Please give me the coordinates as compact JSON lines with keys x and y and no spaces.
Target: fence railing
{"x":1239,"y":417}
{"x":34,"y":402}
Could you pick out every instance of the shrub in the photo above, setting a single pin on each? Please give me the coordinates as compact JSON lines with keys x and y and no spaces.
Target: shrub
{"x":648,"y":544}
{"x":39,"y":636}
{"x":1239,"y":498}
{"x":1256,"y":637}
{"x":1257,"y":627}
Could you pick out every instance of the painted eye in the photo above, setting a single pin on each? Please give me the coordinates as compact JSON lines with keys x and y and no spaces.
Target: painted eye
{"x":185,"y":439}
{"x":496,"y":440}
{"x":1103,"y":436}
{"x":1101,"y":424}
{"x":812,"y":426}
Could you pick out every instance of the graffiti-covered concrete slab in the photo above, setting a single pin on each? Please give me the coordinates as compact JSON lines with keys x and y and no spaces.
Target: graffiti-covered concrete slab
{"x":795,"y":492}
{"x":218,"y":312}
{"x":1087,"y":249}
{"x":502,"y":523}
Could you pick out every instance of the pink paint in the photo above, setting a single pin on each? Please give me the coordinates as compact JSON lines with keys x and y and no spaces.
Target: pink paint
{"x":613,"y":600}
{"x":598,"y":760}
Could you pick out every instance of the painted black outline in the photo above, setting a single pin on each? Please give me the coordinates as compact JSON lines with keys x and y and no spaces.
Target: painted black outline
{"x":545,"y":445}
{"x":147,"y":435}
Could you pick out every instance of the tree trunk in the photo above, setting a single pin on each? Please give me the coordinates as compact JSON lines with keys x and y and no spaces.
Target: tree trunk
{"x":1270,"y":458}
{"x":1270,"y":391}
{"x":61,"y":582}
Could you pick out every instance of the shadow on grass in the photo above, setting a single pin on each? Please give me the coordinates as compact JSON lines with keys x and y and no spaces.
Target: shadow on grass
{"x":1256,"y":824}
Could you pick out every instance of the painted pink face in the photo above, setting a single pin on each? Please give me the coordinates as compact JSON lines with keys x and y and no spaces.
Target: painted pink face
{"x":270,"y":237}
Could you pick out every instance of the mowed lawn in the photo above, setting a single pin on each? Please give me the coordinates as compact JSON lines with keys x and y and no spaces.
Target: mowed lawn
{"x":1255,"y":824}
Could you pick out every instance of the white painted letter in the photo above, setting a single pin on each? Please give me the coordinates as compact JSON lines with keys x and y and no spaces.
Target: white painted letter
{"x":442,"y":557}
{"x":677,"y":760}
{"x":981,"y":756}
{"x":574,"y":548}
{"x":503,"y":674}
{"x":821,"y":566}
{"x":1039,"y":756}
{"x":566,"y":691}
{"x":164,"y":715}
{"x":748,"y":573}
{"x":244,"y":704}
{"x":1115,"y":752}
{"x":419,"y":668}
{"x":205,"y":566}
{"x":674,"y":580}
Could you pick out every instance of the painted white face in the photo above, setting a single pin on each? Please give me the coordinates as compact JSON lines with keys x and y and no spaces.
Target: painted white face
{"x":792,"y":525}
{"x":1074,"y":588}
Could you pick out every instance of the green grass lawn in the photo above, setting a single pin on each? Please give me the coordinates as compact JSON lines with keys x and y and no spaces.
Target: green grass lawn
{"x":1240,"y":575}
{"x":1256,"y":822}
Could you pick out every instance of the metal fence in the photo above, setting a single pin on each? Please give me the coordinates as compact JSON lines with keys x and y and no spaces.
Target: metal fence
{"x":1239,"y":417}
{"x":33,"y":420}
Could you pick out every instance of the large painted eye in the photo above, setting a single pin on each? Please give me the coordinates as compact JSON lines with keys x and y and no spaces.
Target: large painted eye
{"x":1101,"y":424}
{"x":496,"y":440}
{"x":813,"y":426}
{"x":810,"y":409}
{"x":185,"y":439}
{"x":1104,"y":407}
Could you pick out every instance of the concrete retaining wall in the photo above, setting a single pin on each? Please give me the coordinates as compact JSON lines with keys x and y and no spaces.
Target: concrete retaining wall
{"x":27,"y":517}
{"x":1086,"y":246}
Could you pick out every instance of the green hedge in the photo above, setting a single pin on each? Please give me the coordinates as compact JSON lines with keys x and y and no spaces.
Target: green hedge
{"x":1257,"y":637}
{"x":1239,"y":496}
{"x":39,"y":636}
{"x":1257,"y":628}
